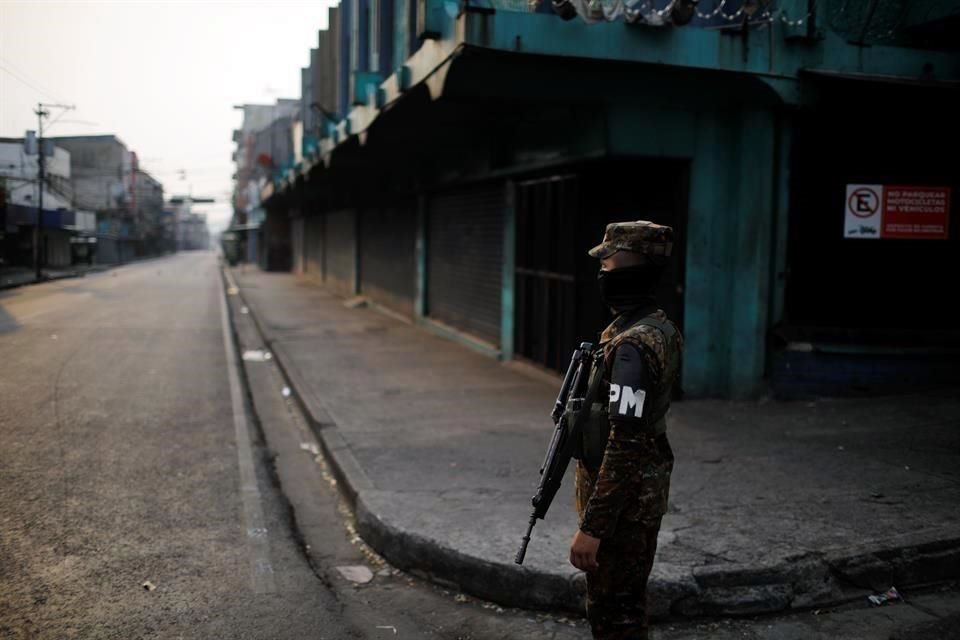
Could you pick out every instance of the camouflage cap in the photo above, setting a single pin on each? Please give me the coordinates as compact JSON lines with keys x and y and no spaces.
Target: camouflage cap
{"x":638,"y":236}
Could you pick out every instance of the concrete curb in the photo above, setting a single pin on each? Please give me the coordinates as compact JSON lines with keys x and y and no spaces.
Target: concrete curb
{"x":510,"y":585}
{"x":25,"y":283}
{"x":814,"y":580}
{"x":81,"y":273}
{"x":805,"y":581}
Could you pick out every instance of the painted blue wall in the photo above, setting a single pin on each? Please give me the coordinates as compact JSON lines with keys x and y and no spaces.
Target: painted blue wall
{"x":770,"y":52}
{"x":736,"y":140}
{"x":732,"y":241}
{"x":735,"y":231}
{"x":346,"y":38}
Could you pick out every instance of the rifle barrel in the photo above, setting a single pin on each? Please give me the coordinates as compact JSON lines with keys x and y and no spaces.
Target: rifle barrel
{"x":558,"y":406}
{"x":558,"y":452}
{"x":526,"y":540}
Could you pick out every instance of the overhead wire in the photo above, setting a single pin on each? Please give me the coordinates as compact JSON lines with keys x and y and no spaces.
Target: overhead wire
{"x":5,"y":65}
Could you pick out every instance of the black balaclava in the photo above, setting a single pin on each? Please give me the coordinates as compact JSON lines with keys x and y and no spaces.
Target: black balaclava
{"x":629,"y":287}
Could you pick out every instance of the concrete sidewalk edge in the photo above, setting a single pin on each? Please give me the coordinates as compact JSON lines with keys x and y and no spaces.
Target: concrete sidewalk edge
{"x":509,"y":585}
{"x":75,"y":273}
{"x":48,"y":278}
{"x":807,"y":581}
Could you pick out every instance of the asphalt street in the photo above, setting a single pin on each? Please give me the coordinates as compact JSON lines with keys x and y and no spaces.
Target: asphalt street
{"x":134,"y":501}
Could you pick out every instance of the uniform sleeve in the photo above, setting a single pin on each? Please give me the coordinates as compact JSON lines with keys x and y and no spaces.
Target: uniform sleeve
{"x":628,"y":446}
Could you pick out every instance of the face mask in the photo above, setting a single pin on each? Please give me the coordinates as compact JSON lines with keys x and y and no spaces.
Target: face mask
{"x":627,"y":287}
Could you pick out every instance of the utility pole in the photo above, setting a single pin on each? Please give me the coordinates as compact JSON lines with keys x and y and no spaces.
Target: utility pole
{"x":41,"y":182}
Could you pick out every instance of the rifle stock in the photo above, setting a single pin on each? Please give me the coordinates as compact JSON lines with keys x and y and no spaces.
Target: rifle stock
{"x":559,"y":451}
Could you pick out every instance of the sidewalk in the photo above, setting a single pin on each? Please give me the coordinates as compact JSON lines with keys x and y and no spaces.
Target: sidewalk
{"x":11,"y":277}
{"x":773,"y":505}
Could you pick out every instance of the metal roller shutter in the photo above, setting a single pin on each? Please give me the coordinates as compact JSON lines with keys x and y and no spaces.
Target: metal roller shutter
{"x":546,"y":269}
{"x":313,"y":247}
{"x":297,"y":228}
{"x":387,"y":263}
{"x":465,"y":260}
{"x":340,"y":245}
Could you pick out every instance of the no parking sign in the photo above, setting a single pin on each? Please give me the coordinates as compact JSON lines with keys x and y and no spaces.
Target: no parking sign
{"x":875,"y":211}
{"x":864,"y":211}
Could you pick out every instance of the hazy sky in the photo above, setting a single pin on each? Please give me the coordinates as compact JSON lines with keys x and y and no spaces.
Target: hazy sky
{"x":163,"y":76}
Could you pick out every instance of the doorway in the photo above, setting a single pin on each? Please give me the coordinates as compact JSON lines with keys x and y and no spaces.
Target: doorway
{"x":559,"y":217}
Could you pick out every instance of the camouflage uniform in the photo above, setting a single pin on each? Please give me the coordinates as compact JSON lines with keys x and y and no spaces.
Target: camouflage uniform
{"x":622,"y":499}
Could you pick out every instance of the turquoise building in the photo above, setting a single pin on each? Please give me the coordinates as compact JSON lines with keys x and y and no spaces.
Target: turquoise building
{"x":469,"y":153}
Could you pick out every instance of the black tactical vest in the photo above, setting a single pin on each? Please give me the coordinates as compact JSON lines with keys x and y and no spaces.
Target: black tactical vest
{"x":627,"y":328}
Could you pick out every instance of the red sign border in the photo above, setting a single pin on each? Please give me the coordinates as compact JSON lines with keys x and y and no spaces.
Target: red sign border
{"x":901,"y":235}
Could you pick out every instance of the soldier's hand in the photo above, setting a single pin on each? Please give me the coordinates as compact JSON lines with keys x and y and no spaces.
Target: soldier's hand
{"x":583,"y":551}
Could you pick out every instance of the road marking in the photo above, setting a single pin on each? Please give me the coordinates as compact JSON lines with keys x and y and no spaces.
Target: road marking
{"x":258,"y":543}
{"x":230,"y":281}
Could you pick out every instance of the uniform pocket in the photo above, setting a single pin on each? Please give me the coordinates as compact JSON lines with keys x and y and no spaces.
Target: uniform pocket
{"x":654,"y":488}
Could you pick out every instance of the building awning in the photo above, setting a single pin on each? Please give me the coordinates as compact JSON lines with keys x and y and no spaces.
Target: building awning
{"x":904,"y":81}
{"x":20,"y":215}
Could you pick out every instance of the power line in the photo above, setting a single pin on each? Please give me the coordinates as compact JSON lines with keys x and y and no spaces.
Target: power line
{"x":188,"y":170}
{"x":84,"y":122}
{"x":28,"y":83}
{"x":57,"y":119}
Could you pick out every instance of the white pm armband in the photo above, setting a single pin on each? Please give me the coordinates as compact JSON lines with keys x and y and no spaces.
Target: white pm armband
{"x":625,"y":402}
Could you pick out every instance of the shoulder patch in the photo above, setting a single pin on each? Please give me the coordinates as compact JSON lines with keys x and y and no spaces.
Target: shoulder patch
{"x":644,"y":334}
{"x":649,"y":340}
{"x":629,"y":383}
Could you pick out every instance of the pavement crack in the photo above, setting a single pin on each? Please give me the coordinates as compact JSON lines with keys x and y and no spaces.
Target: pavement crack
{"x":688,"y":547}
{"x":683,"y":528}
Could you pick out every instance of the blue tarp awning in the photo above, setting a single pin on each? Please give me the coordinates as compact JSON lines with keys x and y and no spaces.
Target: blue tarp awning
{"x":20,"y":215}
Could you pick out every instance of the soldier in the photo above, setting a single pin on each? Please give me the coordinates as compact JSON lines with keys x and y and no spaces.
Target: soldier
{"x":623,"y":473}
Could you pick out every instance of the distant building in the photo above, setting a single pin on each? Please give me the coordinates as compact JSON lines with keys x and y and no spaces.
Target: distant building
{"x":64,"y":225}
{"x":148,"y":206}
{"x":128,"y":201}
{"x":101,"y":168}
{"x":189,"y":228}
{"x":269,"y":142}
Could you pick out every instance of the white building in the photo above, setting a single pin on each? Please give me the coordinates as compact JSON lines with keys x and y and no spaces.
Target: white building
{"x":19,"y":171}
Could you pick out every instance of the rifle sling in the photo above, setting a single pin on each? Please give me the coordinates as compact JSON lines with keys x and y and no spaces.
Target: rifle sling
{"x":596,"y":379}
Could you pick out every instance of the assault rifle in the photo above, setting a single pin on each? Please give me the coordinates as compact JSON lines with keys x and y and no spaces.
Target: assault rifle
{"x":565,"y":437}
